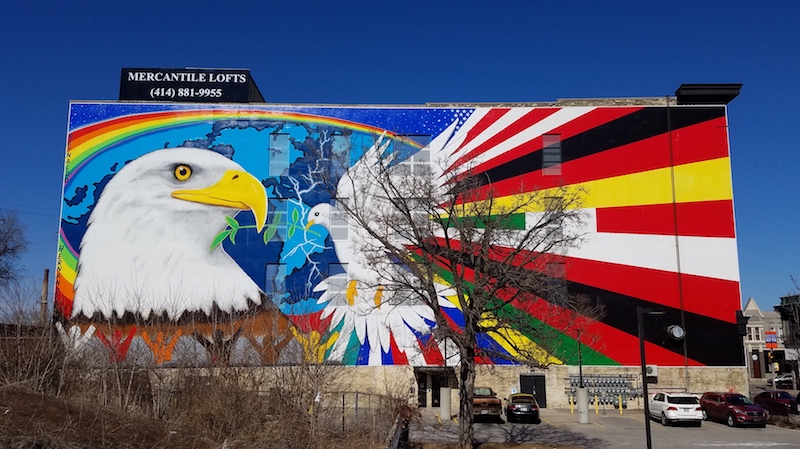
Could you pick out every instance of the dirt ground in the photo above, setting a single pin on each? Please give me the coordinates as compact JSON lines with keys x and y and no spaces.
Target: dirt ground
{"x":32,"y":420}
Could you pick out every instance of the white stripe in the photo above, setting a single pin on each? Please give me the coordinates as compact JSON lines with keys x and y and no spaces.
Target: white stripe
{"x":712,"y":257}
{"x":564,"y":115}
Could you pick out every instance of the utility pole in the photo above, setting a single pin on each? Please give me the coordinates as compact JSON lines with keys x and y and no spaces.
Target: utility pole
{"x":43,"y":303}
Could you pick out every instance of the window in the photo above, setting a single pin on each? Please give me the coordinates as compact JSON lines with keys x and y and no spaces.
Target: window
{"x":551,"y":154}
{"x":339,"y":157}
{"x":337,"y":280}
{"x":275,"y":274}
{"x":684,"y":400}
{"x":553,"y":209}
{"x":278,"y":154}
{"x":556,"y":282}
{"x":418,"y":163}
{"x":340,"y":145}
{"x":753,"y":333}
{"x":278,"y":213}
{"x":340,"y":223}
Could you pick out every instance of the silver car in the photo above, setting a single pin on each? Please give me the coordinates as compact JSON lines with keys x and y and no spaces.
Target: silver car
{"x":676,"y":407}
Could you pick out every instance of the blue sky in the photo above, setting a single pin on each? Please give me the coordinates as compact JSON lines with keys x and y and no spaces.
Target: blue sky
{"x":414,"y":52}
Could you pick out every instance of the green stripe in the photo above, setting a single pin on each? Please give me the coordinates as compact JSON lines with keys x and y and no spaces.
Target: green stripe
{"x":327,"y":335}
{"x":353,"y":346}
{"x":565,"y":347}
{"x":513,"y":221}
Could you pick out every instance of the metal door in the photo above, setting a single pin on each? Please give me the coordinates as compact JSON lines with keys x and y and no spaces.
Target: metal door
{"x":534,"y":384}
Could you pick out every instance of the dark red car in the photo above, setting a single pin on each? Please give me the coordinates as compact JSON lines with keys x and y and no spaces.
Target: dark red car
{"x":777,"y":402}
{"x":733,"y":408}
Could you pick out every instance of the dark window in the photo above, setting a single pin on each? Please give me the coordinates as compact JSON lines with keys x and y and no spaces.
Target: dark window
{"x":551,"y":154}
{"x":682,"y":400}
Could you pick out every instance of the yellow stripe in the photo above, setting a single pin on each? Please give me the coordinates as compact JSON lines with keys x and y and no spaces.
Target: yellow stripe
{"x":66,"y":271}
{"x":511,"y":339}
{"x":700,"y":181}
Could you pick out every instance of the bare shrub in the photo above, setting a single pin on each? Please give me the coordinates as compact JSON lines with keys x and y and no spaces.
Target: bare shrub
{"x":29,"y":354}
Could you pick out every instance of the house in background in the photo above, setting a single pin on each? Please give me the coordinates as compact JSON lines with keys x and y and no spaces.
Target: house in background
{"x":755,"y":342}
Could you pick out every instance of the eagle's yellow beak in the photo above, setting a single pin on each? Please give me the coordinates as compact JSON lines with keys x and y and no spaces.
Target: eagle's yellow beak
{"x":237,"y":189}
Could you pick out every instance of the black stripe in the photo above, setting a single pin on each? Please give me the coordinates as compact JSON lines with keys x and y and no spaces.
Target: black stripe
{"x":639,"y":125}
{"x":709,"y":341}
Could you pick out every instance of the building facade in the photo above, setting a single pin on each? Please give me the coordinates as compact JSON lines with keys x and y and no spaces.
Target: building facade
{"x":188,"y":234}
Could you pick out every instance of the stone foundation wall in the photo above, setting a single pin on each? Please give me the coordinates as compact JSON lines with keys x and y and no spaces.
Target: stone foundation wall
{"x":400,"y":380}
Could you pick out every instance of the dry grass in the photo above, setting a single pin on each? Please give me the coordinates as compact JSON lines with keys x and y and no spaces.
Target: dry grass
{"x":48,"y":401}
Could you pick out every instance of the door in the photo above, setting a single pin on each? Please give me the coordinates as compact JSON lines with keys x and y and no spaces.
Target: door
{"x":422,"y":389}
{"x":436,"y":392}
{"x":756,"y":365}
{"x":534,"y":384}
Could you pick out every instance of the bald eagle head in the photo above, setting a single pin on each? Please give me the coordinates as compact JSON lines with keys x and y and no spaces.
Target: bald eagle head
{"x":146,"y":246}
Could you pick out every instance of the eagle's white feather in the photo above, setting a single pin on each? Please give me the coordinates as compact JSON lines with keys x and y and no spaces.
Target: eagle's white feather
{"x":147,"y":252}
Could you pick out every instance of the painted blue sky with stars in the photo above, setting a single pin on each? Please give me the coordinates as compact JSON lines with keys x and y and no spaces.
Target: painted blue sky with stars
{"x":358,"y":52}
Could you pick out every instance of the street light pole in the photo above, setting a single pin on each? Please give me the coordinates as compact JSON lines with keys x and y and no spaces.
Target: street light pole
{"x":639,"y":312}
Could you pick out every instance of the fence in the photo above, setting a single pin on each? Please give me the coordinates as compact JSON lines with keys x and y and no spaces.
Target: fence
{"x":358,"y":411}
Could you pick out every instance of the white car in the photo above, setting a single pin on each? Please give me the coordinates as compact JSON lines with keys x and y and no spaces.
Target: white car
{"x":781,"y":378}
{"x":676,"y":407}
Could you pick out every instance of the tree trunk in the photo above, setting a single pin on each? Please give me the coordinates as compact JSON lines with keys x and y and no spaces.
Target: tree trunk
{"x":466,"y":418}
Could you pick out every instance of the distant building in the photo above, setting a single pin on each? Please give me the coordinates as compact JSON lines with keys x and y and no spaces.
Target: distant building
{"x":755,"y":347}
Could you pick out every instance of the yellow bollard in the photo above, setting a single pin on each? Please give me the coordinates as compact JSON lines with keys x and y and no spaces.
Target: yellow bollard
{"x":596,"y":406}
{"x":620,"y":403}
{"x":571,"y":405}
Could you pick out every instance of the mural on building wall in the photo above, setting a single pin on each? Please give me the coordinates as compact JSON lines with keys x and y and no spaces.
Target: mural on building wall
{"x":212,"y":227}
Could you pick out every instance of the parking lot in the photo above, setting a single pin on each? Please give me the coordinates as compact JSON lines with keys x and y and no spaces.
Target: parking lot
{"x":612,"y":430}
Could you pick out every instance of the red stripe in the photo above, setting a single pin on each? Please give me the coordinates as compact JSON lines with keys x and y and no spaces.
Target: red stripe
{"x":603,"y":338}
{"x":118,"y":122}
{"x":398,"y":357}
{"x":607,"y":340}
{"x":63,"y":304}
{"x":431,"y":352}
{"x":483,"y":360}
{"x":450,"y":321}
{"x":711,"y":297}
{"x":700,"y":142}
{"x":591,"y":119}
{"x":636,"y":157}
{"x":485,"y":122}
{"x":311,"y":321}
{"x":700,"y":219}
{"x":523,"y":123}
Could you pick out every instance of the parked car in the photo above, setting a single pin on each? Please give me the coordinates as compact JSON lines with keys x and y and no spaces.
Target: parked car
{"x":777,"y":402}
{"x":522,"y":406}
{"x":676,"y":407}
{"x":485,"y":402}
{"x":783,"y":381}
{"x":733,"y":408}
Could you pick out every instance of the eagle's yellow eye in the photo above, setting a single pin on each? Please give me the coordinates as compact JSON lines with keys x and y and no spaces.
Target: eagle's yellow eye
{"x":183,"y":172}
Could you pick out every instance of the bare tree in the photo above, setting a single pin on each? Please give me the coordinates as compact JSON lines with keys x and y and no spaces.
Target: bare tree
{"x":789,"y":308}
{"x":428,"y":234}
{"x":12,"y":244}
